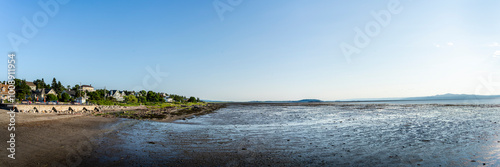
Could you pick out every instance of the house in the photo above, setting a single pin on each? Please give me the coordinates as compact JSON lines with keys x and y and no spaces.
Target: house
{"x":71,"y":93}
{"x":31,"y":85}
{"x":81,"y":100}
{"x":118,"y":95}
{"x":168,"y":99}
{"x":137,"y":94}
{"x":88,"y":88}
{"x":39,"y":94}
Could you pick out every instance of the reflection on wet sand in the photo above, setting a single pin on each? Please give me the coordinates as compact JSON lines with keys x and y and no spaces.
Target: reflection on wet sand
{"x":318,"y":135}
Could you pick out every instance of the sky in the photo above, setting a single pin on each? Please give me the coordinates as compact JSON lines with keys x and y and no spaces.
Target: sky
{"x":259,"y":50}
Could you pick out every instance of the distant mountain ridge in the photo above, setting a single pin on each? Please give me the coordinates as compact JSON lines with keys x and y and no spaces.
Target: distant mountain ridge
{"x":297,"y":101}
{"x":448,"y":96}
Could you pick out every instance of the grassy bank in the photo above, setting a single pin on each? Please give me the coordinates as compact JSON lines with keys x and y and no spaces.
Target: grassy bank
{"x":166,"y":111}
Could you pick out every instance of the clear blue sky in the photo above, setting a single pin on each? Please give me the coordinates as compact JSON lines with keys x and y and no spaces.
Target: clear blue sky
{"x":261,"y":49}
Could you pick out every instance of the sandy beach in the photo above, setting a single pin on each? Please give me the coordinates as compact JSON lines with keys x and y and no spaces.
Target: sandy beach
{"x":264,"y":134}
{"x":49,"y":139}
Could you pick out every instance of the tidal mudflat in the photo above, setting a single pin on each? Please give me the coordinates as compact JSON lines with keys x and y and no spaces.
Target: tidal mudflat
{"x":315,"y":135}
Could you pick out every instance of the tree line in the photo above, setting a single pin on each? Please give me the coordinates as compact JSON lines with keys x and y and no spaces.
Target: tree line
{"x":23,"y":92}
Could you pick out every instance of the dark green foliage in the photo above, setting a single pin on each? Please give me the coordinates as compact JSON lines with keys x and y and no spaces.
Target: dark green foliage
{"x":154,"y":97}
{"x":51,"y":97}
{"x":22,"y":89}
{"x":192,"y":99}
{"x":78,"y":93}
{"x":131,"y":99}
{"x":40,"y":84}
{"x":95,"y":96}
{"x":65,"y":97}
{"x":54,"y":84}
{"x":111,"y":99}
{"x":142,"y":99}
{"x":57,"y":86}
{"x":178,"y":98}
{"x":76,"y":87}
{"x":143,"y":93}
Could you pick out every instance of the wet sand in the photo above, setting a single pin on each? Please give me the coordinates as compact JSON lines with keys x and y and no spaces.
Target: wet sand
{"x":49,"y":139}
{"x":265,"y":135}
{"x":312,"y":135}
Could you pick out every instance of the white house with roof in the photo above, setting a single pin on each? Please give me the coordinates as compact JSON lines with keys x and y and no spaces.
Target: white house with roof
{"x":81,"y":100}
{"x":40,"y":94}
{"x":118,"y":95}
{"x":31,"y":85}
{"x":88,"y":88}
{"x":168,"y":99}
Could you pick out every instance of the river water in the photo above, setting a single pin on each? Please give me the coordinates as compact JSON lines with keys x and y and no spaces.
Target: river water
{"x":313,"y":135}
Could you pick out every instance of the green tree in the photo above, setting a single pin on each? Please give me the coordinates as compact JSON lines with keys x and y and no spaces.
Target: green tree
{"x":142,"y":99}
{"x":178,"y":98}
{"x":101,"y":93}
{"x":151,"y":96}
{"x":131,"y":99}
{"x":39,"y":84}
{"x":143,"y":93}
{"x":22,"y":89}
{"x":65,"y":97}
{"x":94,"y":95}
{"x":60,"y":87}
{"x":111,"y":98}
{"x":54,"y":84}
{"x":192,"y":99}
{"x":51,"y":97}
{"x":76,"y":87}
{"x":78,"y":93}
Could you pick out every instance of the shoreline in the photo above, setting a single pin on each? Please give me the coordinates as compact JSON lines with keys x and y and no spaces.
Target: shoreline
{"x":165,"y":114}
{"x":42,"y":139}
{"x":48,"y":139}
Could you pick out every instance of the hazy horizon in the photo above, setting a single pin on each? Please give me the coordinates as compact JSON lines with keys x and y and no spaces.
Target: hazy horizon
{"x":259,"y":50}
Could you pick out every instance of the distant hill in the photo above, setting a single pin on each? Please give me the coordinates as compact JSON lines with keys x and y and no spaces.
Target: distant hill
{"x":308,"y":101}
{"x":450,"y":96}
{"x":298,"y":101}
